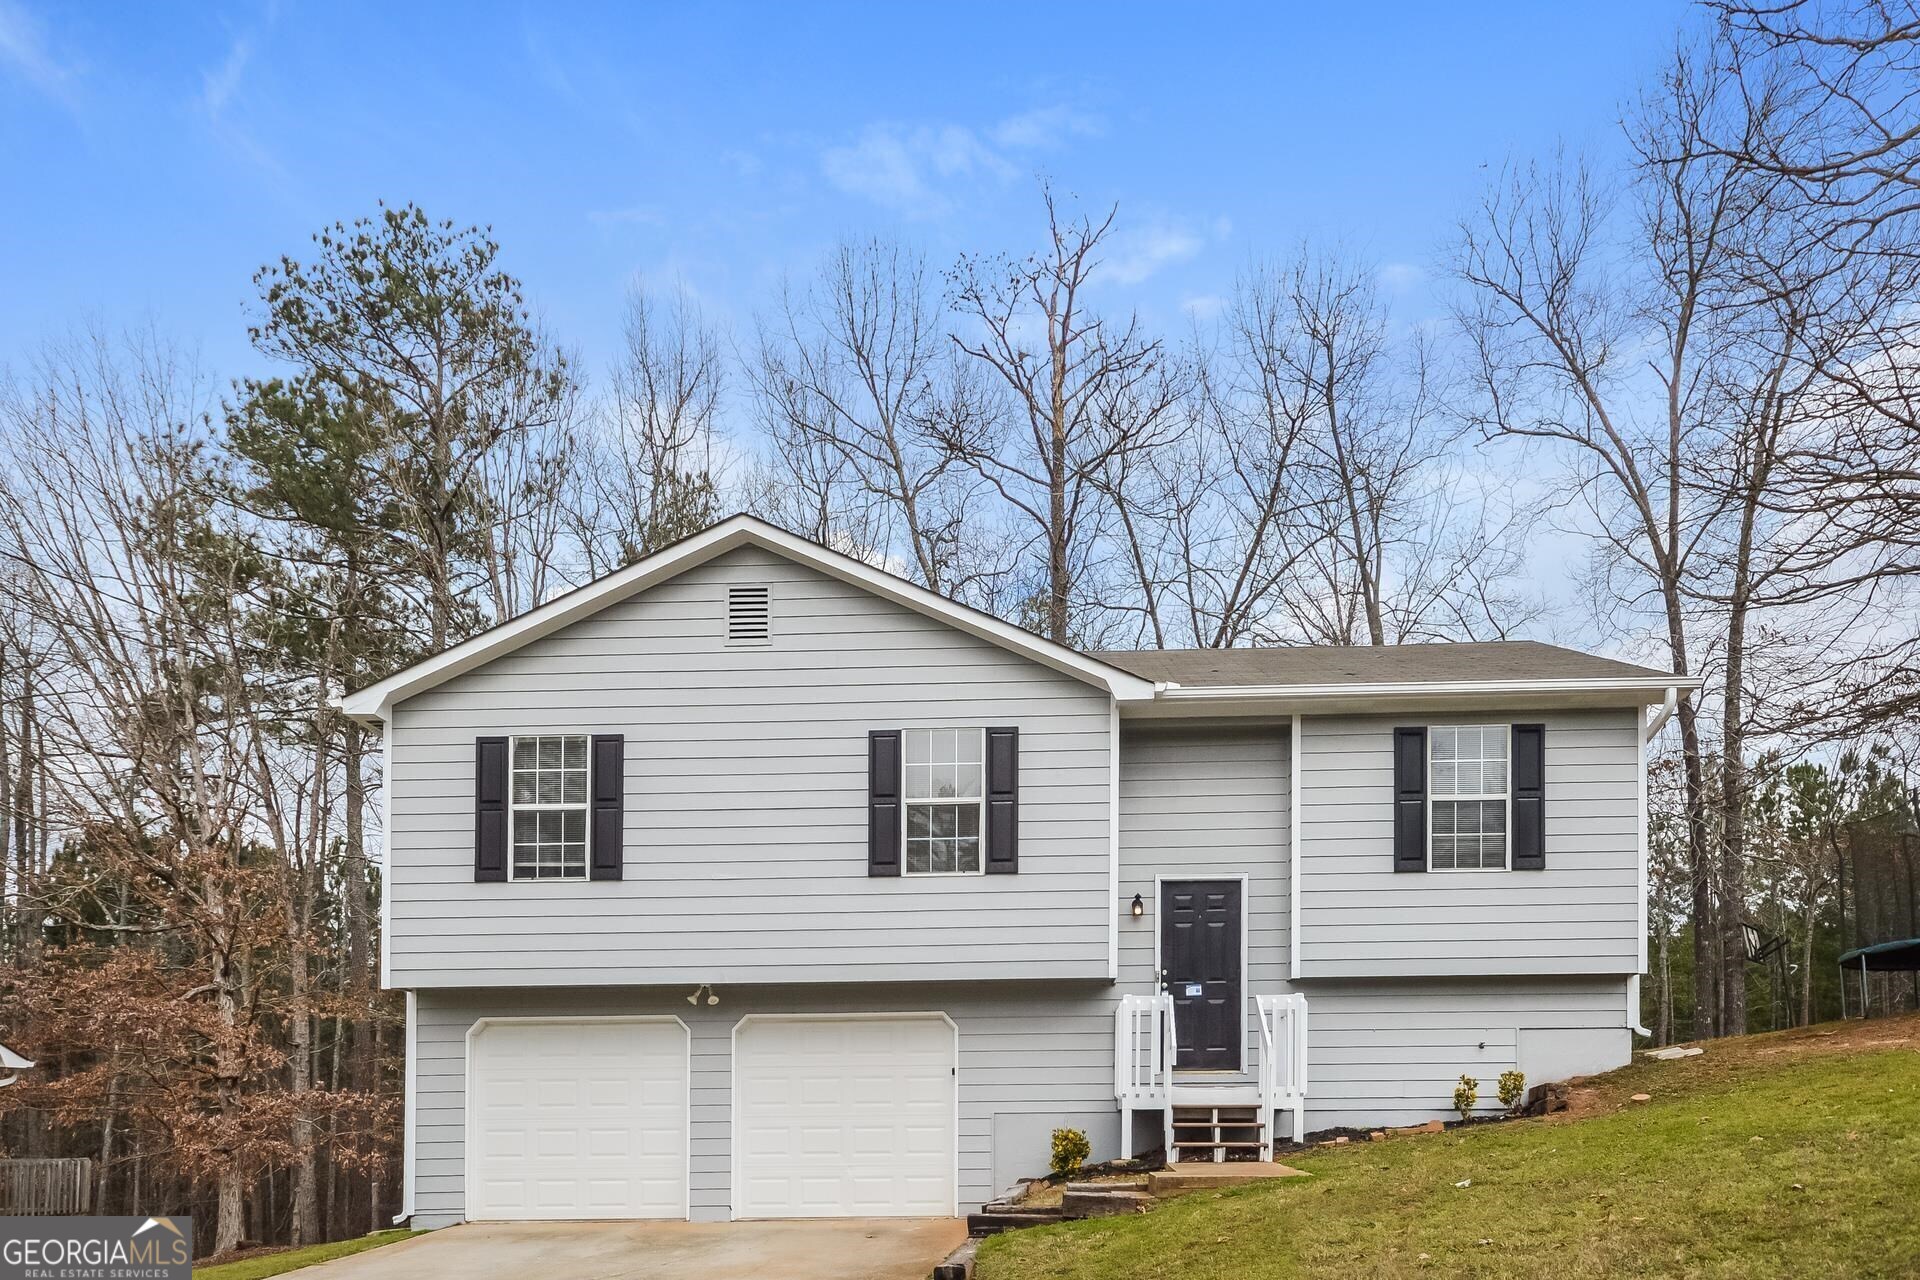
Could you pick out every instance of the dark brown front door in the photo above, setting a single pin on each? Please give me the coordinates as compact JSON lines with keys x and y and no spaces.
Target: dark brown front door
{"x":1200,"y":966}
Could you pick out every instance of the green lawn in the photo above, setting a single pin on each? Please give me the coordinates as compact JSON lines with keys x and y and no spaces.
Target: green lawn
{"x":1788,"y":1155}
{"x":273,"y":1264}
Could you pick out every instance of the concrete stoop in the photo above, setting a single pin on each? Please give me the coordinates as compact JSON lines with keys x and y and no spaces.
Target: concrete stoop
{"x":1195,"y":1175}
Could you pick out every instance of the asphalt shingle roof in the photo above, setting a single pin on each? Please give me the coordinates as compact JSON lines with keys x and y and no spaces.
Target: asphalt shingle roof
{"x":1373,"y":664}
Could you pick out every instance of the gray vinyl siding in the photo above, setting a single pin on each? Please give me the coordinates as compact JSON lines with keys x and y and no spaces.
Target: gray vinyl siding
{"x":1390,"y":1053}
{"x":1031,"y":1059}
{"x":1034,"y":1057}
{"x":1359,"y":918}
{"x":1203,"y":803}
{"x":746,"y":820}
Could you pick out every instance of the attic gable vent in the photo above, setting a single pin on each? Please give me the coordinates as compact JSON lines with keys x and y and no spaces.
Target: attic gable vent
{"x":749,"y":615}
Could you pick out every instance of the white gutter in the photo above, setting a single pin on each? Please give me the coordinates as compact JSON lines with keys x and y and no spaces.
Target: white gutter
{"x":1425,"y":689}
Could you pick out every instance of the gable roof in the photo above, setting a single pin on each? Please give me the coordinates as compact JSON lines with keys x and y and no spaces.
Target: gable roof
{"x":375,"y":702}
{"x":1181,"y":681}
{"x":1291,"y":665}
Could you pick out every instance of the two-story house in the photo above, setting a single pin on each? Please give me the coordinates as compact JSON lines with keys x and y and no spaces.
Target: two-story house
{"x":754,"y":881}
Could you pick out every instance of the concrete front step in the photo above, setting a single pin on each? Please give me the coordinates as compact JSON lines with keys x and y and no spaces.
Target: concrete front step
{"x":1189,"y":1175}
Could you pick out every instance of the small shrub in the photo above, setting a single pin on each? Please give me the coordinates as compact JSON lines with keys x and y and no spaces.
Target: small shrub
{"x":1465,"y":1095}
{"x":1070,"y":1151}
{"x":1513,"y":1085}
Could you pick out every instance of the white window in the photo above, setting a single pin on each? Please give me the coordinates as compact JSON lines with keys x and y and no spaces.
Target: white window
{"x":945,"y":795}
{"x":550,"y":807}
{"x":1467,"y":794}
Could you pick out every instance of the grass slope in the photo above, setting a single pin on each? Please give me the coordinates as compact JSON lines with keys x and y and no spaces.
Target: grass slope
{"x":1795,"y":1154}
{"x":278,"y":1262}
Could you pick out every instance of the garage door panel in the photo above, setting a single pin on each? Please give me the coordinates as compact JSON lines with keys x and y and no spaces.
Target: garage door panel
{"x":845,"y":1117}
{"x":578,"y":1119}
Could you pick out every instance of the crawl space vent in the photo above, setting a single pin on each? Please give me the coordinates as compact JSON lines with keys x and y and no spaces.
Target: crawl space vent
{"x":749,"y":615}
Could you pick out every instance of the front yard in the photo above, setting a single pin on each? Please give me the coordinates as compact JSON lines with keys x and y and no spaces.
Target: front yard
{"x":1796,"y":1154}
{"x":275,"y":1262}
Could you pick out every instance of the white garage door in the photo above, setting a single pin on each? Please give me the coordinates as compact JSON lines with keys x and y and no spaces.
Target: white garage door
{"x":844,"y":1117}
{"x":577,"y":1118}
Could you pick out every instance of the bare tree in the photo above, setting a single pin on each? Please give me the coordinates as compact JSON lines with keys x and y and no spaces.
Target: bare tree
{"x":643,"y":469}
{"x":1832,"y":85}
{"x":1598,"y":341}
{"x":1080,"y":393}
{"x":102,"y":521}
{"x":858,"y":364}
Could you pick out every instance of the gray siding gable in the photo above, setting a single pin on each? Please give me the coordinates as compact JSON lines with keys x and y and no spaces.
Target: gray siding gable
{"x":745,"y":823}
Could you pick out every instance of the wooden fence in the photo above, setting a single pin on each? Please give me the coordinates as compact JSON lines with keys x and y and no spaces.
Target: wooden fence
{"x":46,"y":1186}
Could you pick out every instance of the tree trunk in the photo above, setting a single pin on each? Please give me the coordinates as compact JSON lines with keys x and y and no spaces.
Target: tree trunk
{"x":1665,"y":1024}
{"x":1706,"y":959}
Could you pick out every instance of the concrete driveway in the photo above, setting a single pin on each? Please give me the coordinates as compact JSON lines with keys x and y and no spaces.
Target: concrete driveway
{"x":812,"y":1249}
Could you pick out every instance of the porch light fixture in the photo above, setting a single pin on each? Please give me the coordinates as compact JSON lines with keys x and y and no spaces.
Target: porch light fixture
{"x":1139,"y":907}
{"x":706,"y":990}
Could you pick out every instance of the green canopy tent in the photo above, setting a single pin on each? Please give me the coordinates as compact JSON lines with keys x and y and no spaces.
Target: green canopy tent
{"x":1902,"y":956}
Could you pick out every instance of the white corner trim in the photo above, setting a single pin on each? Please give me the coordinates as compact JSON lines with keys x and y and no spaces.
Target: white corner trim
{"x":1294,"y":754}
{"x":1113,"y":857}
{"x":469,"y":1146}
{"x":386,"y":857}
{"x":409,"y":1113}
{"x":735,"y":1164}
{"x":375,"y":702}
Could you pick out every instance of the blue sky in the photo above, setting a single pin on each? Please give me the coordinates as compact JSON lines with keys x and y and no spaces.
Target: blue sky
{"x":155,"y":155}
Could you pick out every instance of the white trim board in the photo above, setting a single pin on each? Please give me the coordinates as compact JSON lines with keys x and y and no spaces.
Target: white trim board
{"x":1295,"y":755}
{"x":376,"y":701}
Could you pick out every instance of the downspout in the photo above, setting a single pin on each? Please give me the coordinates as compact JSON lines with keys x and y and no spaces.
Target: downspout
{"x":407,"y":1142}
{"x":1633,"y":1007}
{"x":1649,"y":730}
{"x":1661,"y":716}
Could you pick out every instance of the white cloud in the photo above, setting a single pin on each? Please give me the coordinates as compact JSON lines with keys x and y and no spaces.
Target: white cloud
{"x":907,"y":169}
{"x":1136,"y":253}
{"x":1204,"y":307}
{"x":919,"y":170}
{"x":636,"y":215}
{"x":1045,"y":127}
{"x":218,"y":86}
{"x":25,"y":49}
{"x":1399,"y":277}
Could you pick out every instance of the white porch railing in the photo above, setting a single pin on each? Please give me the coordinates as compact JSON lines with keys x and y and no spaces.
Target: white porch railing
{"x":1282,"y":1061}
{"x":1145,"y":1053}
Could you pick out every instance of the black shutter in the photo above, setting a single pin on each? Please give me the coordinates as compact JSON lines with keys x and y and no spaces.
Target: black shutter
{"x":1410,"y":799}
{"x":1529,"y":797}
{"x":606,"y":856}
{"x":883,"y":802}
{"x":489,"y":809}
{"x":1003,"y":801}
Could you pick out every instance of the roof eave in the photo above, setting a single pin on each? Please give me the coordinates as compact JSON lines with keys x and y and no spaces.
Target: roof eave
{"x":1390,"y":695}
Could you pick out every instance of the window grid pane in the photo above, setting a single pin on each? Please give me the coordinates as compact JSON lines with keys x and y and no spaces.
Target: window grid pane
{"x":943,"y":764}
{"x":549,"y":794}
{"x":1467,"y":778}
